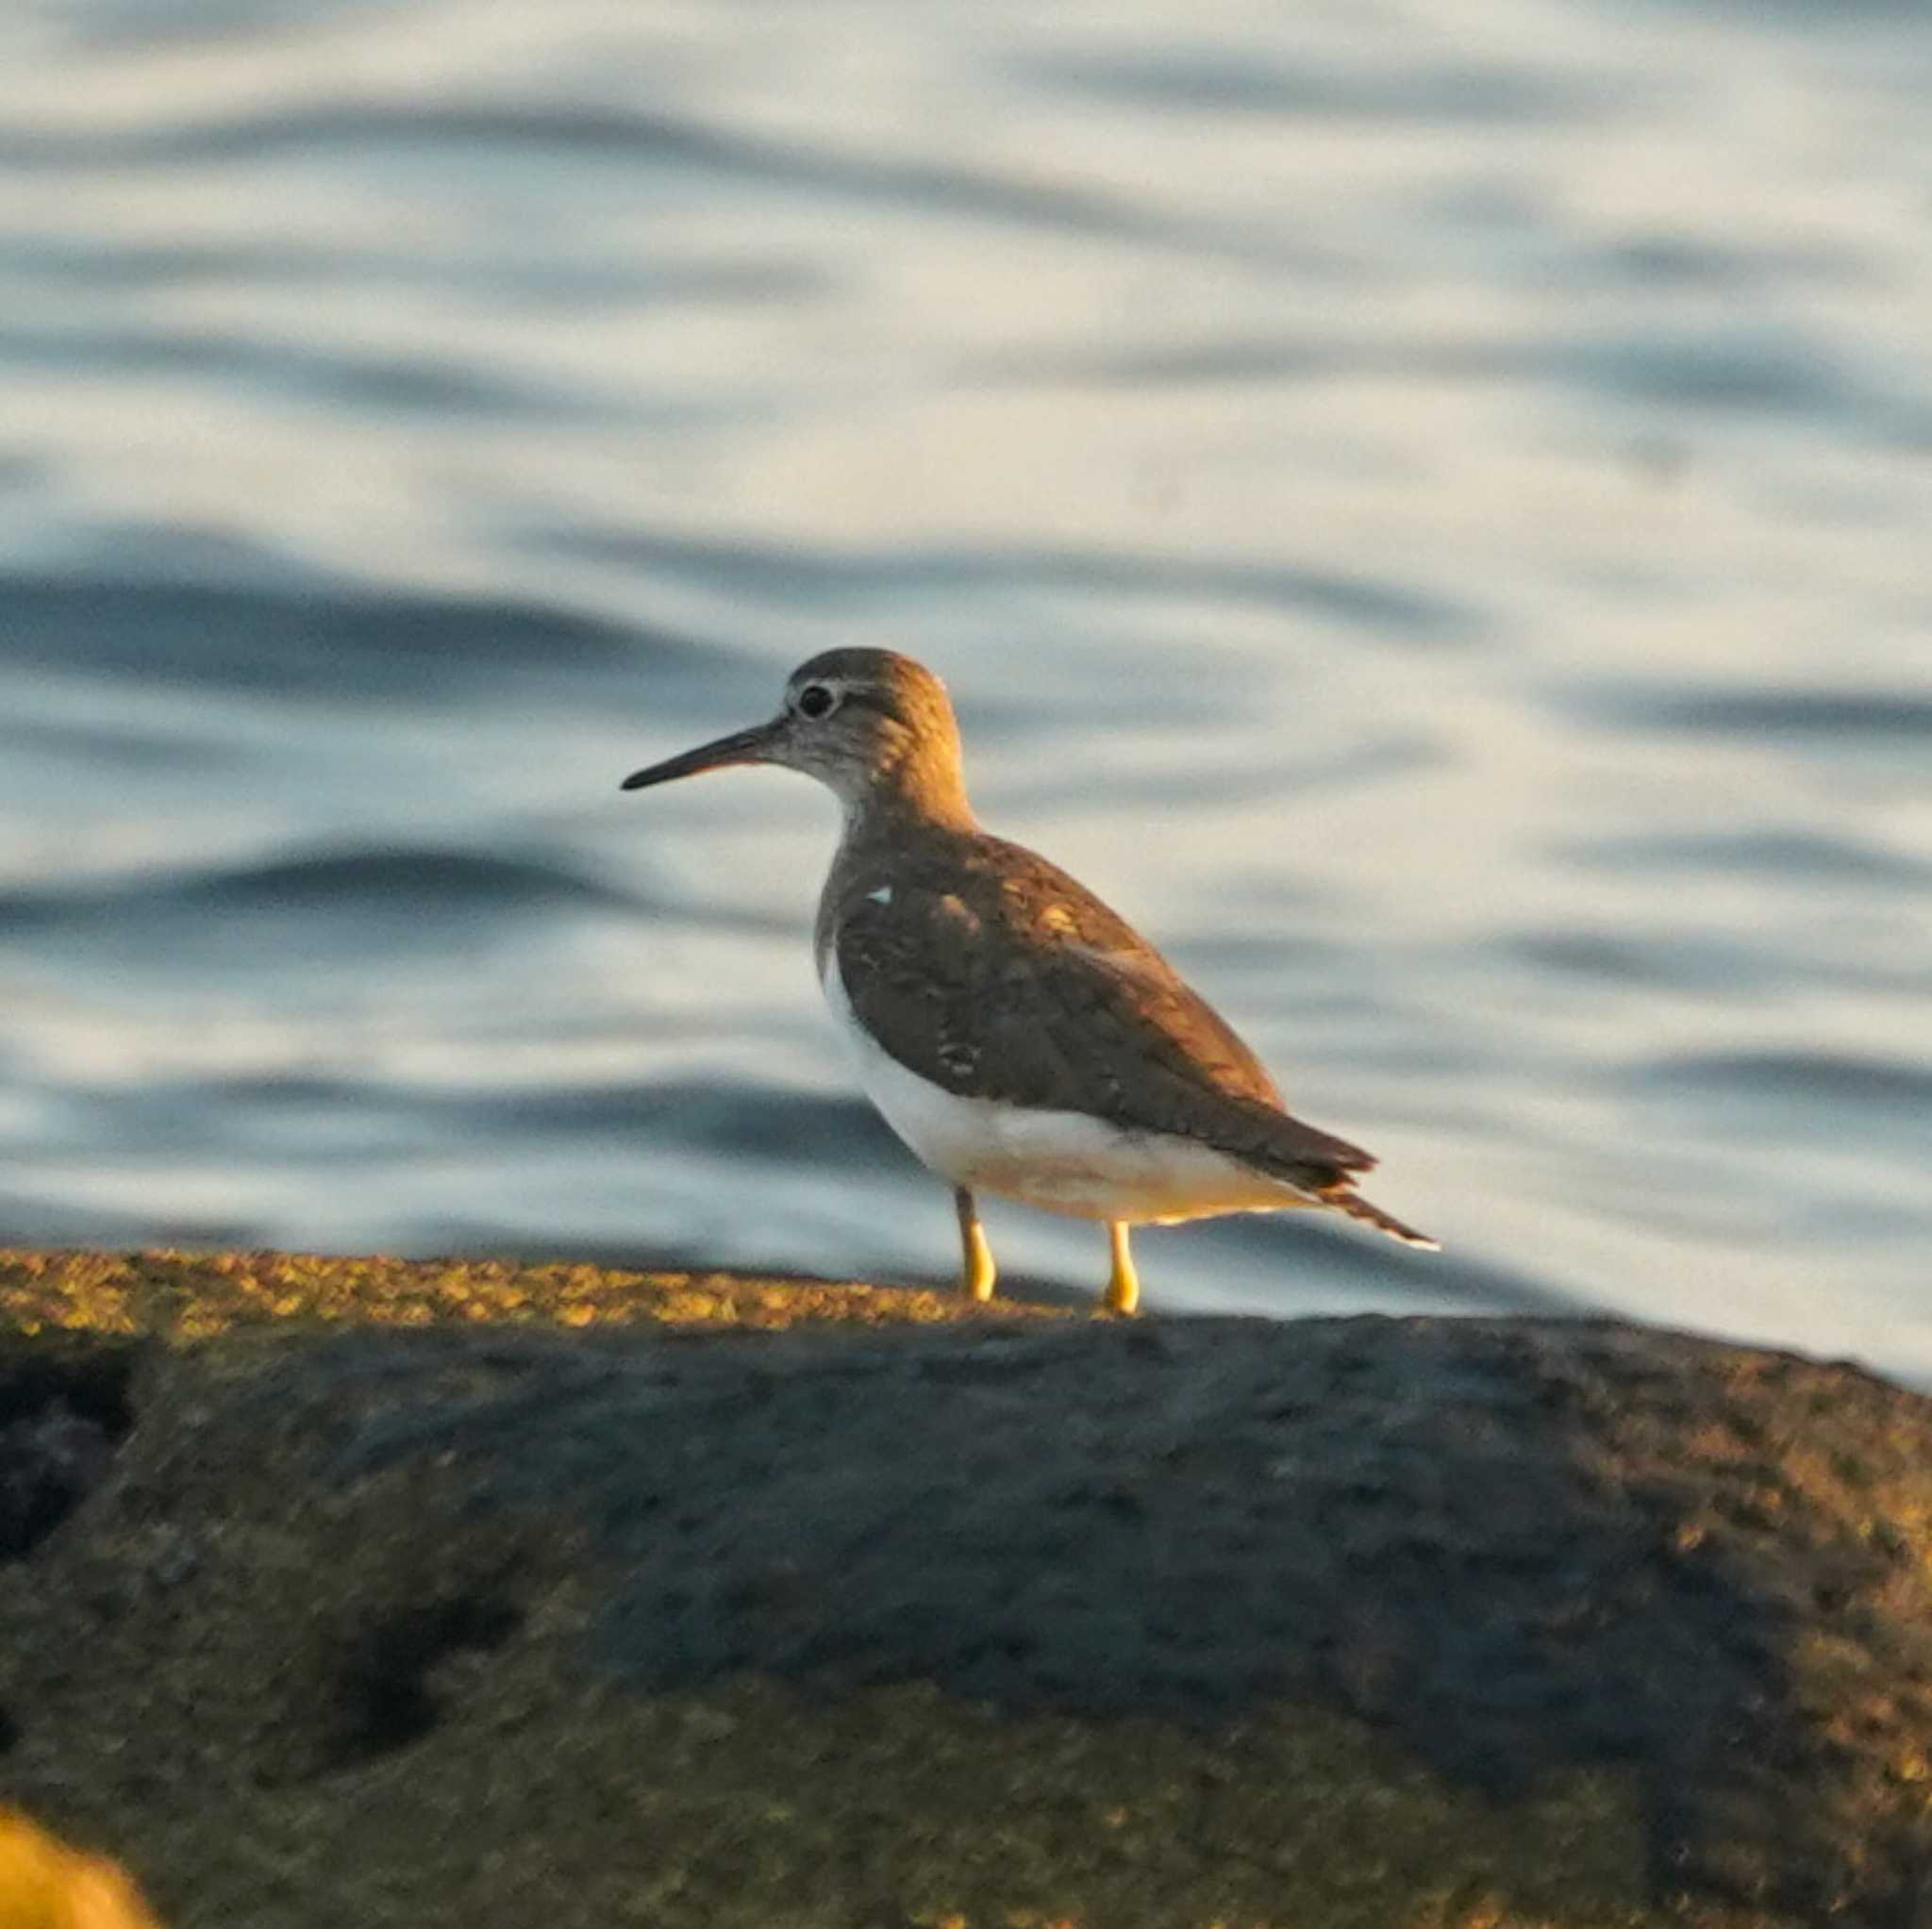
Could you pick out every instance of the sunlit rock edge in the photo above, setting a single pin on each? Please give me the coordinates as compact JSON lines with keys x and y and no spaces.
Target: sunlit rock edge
{"x":385,"y":1590}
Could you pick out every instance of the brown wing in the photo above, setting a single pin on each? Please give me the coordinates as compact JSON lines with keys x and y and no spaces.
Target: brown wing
{"x":994,"y":973}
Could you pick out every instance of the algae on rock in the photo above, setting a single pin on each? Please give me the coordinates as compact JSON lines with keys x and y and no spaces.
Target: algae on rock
{"x":355,"y":1605}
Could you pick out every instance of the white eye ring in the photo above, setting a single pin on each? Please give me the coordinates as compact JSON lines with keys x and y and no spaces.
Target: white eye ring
{"x":816,"y":699}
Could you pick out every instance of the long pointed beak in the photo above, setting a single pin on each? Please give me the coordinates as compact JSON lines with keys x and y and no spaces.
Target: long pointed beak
{"x":754,"y":745}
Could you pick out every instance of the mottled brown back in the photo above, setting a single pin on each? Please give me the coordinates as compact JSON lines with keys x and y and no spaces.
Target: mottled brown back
{"x":992,"y":973}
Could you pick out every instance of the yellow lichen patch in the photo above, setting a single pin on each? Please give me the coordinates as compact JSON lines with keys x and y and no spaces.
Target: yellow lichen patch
{"x":190,"y":1296}
{"x":46,"y":1884}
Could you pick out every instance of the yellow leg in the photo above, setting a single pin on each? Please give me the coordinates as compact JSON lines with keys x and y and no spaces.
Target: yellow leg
{"x":977,"y":1269}
{"x":1124,"y":1283}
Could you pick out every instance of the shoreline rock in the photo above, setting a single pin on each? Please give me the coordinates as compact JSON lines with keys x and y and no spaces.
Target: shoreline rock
{"x":46,"y":1884}
{"x":384,"y":1591}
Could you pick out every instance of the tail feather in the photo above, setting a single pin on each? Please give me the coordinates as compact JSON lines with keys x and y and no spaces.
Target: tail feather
{"x":1303,"y":1152}
{"x":1344,"y":1198}
{"x":1321,"y":1167}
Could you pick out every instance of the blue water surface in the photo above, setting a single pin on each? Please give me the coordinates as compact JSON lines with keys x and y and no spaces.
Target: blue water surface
{"x":1424,"y":506}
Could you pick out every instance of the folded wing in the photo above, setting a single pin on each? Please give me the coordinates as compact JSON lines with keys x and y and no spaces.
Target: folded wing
{"x":1016,"y":983}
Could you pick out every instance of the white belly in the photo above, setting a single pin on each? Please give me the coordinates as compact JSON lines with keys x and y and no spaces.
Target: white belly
{"x":1061,"y":1161}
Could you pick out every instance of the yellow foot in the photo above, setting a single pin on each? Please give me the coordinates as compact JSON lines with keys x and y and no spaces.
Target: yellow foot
{"x":976,"y":1271}
{"x":1124,"y":1283}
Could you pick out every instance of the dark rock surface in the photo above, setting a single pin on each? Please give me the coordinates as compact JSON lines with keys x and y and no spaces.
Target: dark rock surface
{"x":1342,"y":1622}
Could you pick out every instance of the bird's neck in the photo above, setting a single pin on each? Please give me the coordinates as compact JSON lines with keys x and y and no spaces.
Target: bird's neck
{"x":914,"y":794}
{"x":888,"y":827}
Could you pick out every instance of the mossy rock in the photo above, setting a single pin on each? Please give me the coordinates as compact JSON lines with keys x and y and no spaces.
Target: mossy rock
{"x":339,"y":1602}
{"x":46,"y":1884}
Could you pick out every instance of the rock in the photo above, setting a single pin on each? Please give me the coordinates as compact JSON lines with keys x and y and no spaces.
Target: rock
{"x":956,"y":1619}
{"x":46,"y":1884}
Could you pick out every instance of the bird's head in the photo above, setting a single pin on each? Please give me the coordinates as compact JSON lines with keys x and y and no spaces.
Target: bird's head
{"x":868,"y":724}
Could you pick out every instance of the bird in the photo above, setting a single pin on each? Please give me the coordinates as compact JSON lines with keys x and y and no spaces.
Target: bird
{"x":1020,"y":1037}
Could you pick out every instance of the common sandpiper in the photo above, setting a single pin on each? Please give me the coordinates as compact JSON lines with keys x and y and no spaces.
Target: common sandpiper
{"x":1020,"y":1038}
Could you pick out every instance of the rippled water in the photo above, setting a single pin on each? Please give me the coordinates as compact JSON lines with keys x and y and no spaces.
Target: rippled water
{"x":1423,"y":505}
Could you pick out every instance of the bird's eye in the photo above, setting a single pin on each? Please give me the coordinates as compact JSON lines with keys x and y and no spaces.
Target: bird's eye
{"x":815,"y":700}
